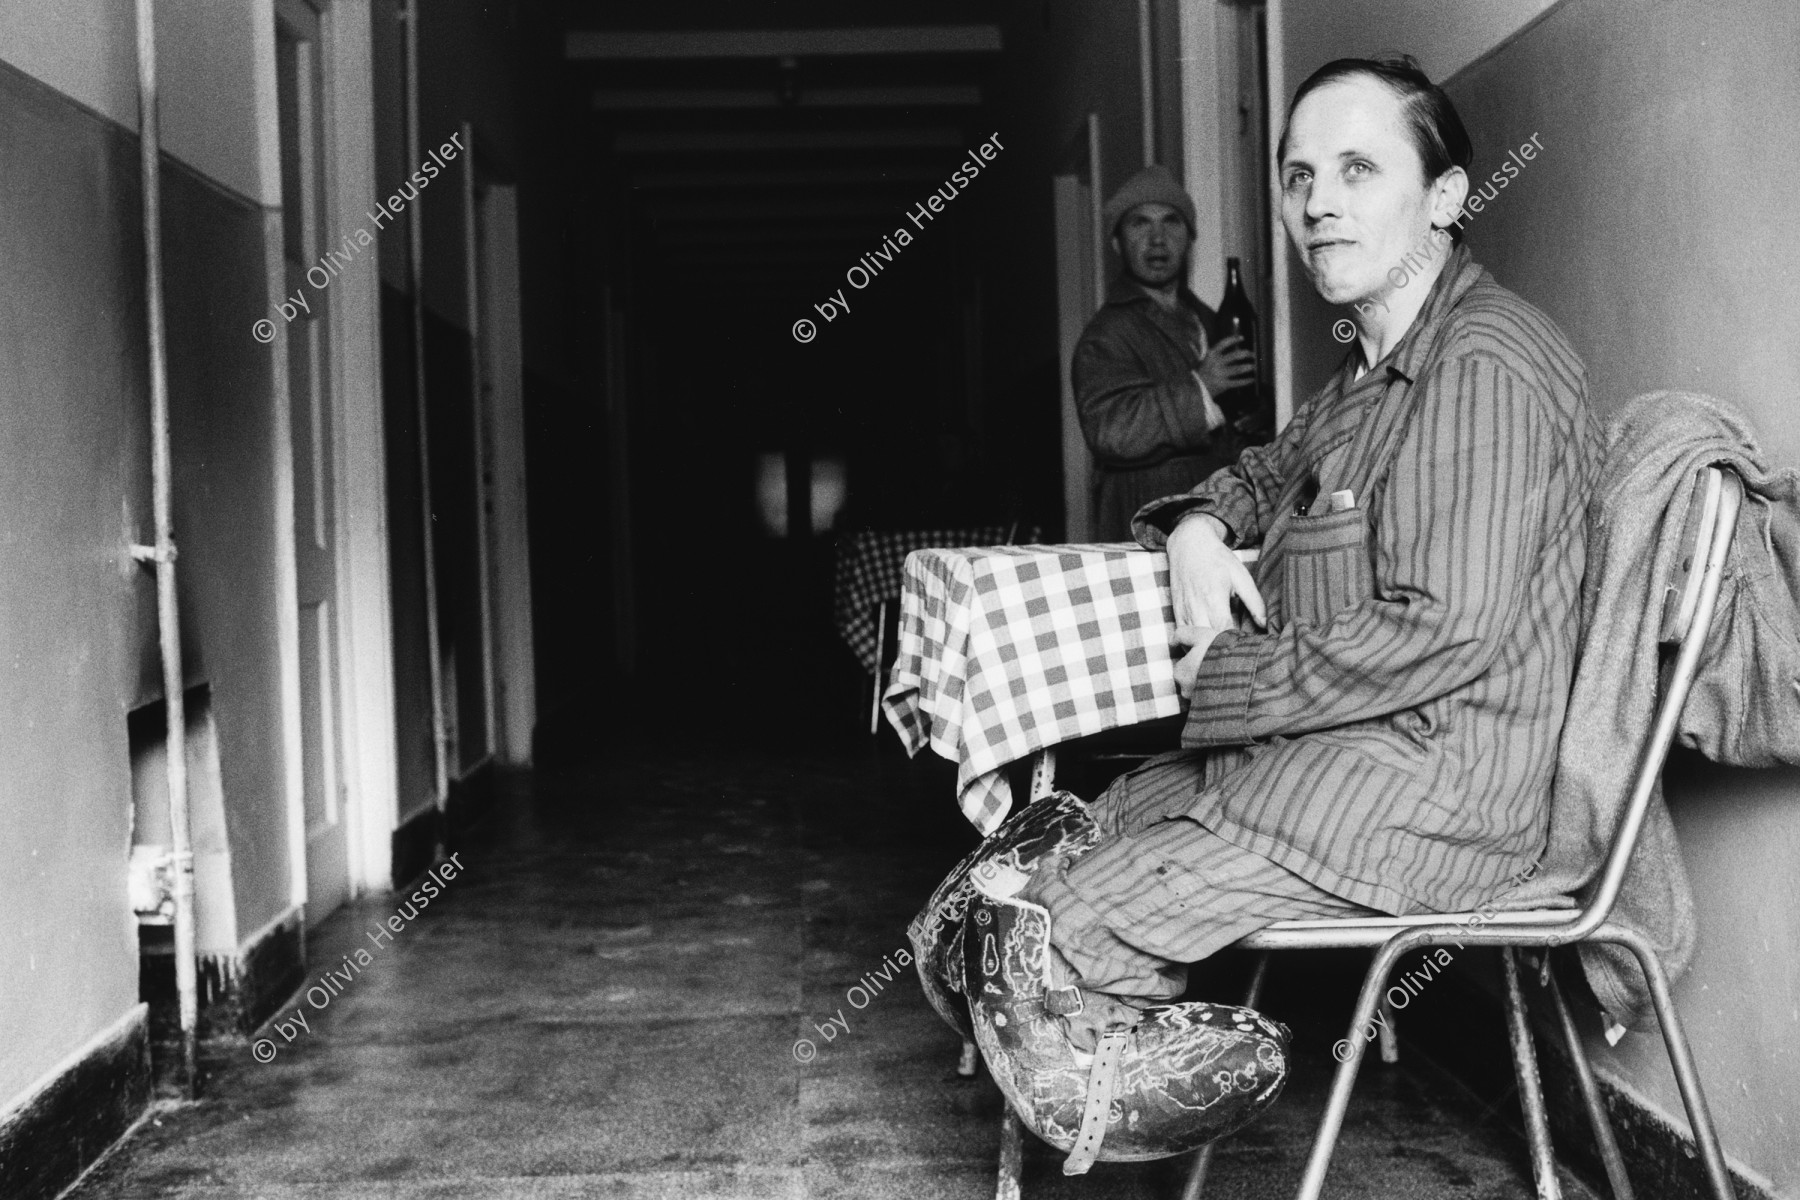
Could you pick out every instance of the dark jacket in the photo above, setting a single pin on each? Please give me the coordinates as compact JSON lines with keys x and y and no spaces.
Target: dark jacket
{"x":1140,"y":408}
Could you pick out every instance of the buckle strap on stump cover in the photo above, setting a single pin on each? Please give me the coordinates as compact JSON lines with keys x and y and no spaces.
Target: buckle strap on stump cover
{"x":1101,"y":1078}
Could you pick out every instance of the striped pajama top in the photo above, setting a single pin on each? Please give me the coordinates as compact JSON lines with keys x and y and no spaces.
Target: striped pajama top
{"x":1391,"y":737}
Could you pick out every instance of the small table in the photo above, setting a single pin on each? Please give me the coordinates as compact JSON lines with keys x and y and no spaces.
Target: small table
{"x":867,"y":577}
{"x":1006,"y":651}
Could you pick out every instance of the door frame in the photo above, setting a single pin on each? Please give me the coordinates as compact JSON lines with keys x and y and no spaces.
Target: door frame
{"x":500,"y":414}
{"x":490,"y":235}
{"x":480,"y":436}
{"x":1228,"y":93}
{"x":1076,"y":191}
{"x":1225,"y":100}
{"x":365,"y":591}
{"x":1281,"y":329}
{"x":364,"y":626}
{"x":1201,"y":154}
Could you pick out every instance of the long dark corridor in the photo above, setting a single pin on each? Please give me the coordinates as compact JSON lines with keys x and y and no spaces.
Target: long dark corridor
{"x":459,"y":461}
{"x":609,"y":1001}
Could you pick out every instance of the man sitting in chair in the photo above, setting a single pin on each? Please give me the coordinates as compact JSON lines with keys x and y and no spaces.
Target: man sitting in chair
{"x":1379,"y":731}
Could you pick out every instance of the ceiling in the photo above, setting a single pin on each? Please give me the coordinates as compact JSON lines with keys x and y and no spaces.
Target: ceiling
{"x":769,"y":144}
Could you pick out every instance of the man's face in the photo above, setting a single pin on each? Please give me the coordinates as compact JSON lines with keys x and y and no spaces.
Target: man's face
{"x":1353,"y":193}
{"x":1153,"y":240}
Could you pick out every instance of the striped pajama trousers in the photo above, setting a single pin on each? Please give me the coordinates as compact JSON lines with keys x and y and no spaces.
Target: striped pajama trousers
{"x":1159,"y":891}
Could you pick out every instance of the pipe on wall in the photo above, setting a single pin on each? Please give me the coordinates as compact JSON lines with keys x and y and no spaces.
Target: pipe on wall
{"x":1281,"y":322}
{"x":162,"y":554}
{"x":415,"y":233}
{"x":1097,"y":238}
{"x":1146,"y":82}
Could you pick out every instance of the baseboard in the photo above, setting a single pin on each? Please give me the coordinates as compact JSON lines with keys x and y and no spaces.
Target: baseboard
{"x":415,"y":844}
{"x":270,"y":965}
{"x":470,"y":800}
{"x":1659,"y":1157}
{"x":83,"y":1106}
{"x":418,"y":840}
{"x":236,"y":993}
{"x":1654,"y":1147}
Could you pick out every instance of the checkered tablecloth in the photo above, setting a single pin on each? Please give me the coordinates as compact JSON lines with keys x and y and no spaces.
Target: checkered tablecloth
{"x":869,"y":569}
{"x":1007,"y":649}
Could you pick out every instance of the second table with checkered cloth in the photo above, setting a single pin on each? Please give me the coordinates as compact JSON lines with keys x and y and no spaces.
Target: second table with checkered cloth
{"x":1008,"y":650}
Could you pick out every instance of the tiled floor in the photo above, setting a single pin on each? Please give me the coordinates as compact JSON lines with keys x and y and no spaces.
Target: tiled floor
{"x":608,"y":1003}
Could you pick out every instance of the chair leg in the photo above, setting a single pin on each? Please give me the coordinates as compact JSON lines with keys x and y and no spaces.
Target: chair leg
{"x":1681,"y":1058}
{"x":1012,"y":1156}
{"x":1043,"y":772}
{"x":1604,"y":1141}
{"x":880,"y":653}
{"x":965,"y":1066}
{"x":1343,"y":1082}
{"x":1259,"y":974}
{"x":1387,"y":1038}
{"x":1196,"y":1180}
{"x":1531,"y":1088}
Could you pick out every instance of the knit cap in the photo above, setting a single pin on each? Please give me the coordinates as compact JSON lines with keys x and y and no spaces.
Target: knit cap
{"x":1152,"y":185}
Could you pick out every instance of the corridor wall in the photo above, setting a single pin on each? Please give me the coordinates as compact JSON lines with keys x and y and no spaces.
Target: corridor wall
{"x":1656,"y":233}
{"x":77,"y":616}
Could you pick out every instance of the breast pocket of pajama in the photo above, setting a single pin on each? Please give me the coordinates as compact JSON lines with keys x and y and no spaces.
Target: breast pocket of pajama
{"x":1325,"y":565}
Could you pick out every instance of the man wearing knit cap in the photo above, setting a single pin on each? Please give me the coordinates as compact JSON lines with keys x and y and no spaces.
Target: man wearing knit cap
{"x":1149,"y":363}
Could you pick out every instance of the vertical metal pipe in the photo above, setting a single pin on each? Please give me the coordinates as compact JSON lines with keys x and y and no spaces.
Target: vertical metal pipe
{"x":1146,"y":82}
{"x":168,"y":614}
{"x":1278,"y":329}
{"x":415,"y":235}
{"x":1096,"y":206}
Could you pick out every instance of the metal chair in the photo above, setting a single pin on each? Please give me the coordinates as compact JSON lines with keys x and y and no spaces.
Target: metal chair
{"x":1686,"y":618}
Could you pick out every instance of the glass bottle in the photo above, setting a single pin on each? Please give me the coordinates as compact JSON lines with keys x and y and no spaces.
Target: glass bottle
{"x":1243,"y":405}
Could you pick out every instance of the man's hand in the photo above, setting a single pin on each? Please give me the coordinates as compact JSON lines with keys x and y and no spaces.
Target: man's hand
{"x":1227,"y":365}
{"x":1204,"y":576}
{"x":1187,"y":668}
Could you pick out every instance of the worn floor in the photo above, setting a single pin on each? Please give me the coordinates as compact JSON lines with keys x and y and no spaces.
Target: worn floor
{"x":610,"y":1002}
